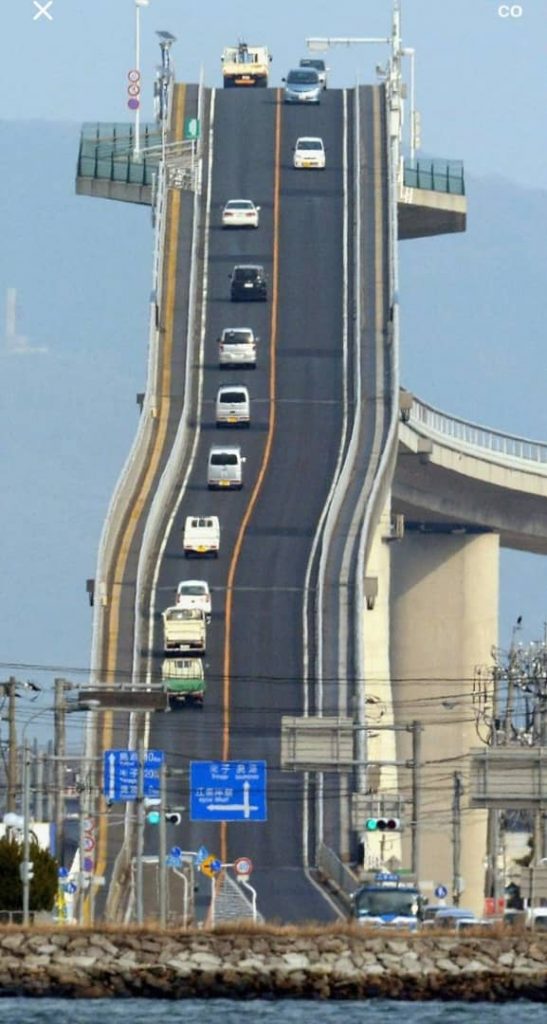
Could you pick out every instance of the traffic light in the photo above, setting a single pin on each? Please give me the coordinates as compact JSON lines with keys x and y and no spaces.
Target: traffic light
{"x":152,"y":806}
{"x":383,"y":824}
{"x":26,"y":870}
{"x":173,"y":817}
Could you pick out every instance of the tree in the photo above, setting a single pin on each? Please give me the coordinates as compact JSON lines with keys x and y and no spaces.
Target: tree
{"x":43,"y":885}
{"x":524,"y":862}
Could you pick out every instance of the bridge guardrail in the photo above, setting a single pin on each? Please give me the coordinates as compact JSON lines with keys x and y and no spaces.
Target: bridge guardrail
{"x":336,"y":871}
{"x":106,"y":153}
{"x":436,"y":176}
{"x":433,"y":421}
{"x":137,"y":454}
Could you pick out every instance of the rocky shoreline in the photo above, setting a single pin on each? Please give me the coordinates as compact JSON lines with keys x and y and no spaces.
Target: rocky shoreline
{"x":280,"y":963}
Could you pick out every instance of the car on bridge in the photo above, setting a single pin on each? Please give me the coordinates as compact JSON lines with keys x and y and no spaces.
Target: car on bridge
{"x":319,"y":64}
{"x":225,"y":468}
{"x":183,"y":681}
{"x":248,"y":281}
{"x":194,"y":594}
{"x":201,"y":536}
{"x":309,"y":152}
{"x":233,"y":406}
{"x":237,"y":347}
{"x":240,"y":213}
{"x":302,"y":85}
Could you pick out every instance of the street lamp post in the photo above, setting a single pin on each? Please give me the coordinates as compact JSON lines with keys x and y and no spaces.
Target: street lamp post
{"x":163,"y":86}
{"x":138,"y":5}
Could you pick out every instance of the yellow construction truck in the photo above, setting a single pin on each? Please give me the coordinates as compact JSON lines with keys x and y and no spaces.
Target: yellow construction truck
{"x":245,"y":65}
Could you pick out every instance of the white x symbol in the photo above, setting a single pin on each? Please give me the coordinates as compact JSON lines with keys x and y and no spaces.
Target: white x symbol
{"x":43,"y":9}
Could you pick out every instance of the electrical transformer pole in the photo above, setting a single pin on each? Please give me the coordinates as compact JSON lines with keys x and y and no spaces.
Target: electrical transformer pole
{"x":457,"y":839}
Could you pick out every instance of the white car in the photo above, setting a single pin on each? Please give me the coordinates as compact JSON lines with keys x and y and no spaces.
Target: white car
{"x":194,"y":594}
{"x":233,"y":406}
{"x":309,"y":152}
{"x":237,"y":347}
{"x":319,"y":65}
{"x":240,"y":213}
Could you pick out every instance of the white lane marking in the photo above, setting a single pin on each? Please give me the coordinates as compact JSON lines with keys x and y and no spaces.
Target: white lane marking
{"x":198,"y":417}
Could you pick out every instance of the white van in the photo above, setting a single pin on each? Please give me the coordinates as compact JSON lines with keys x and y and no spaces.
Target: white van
{"x":237,"y":347}
{"x":201,"y":536}
{"x":225,"y":468}
{"x":233,"y":406}
{"x":194,"y":594}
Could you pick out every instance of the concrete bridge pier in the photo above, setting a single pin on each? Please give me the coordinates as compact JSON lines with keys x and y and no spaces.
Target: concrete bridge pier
{"x":444,"y":621}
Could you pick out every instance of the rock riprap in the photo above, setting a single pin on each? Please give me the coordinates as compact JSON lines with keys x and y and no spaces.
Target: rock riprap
{"x":246,"y":963}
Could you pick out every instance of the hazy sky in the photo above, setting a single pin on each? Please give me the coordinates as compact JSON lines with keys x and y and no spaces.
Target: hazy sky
{"x":82,"y":267}
{"x":480,"y":77}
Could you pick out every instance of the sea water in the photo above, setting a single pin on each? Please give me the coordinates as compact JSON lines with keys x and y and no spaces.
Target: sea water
{"x":261,"y":1011}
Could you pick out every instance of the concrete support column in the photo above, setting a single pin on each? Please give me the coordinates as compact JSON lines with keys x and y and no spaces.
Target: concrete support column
{"x":444,"y":618}
{"x":377,"y":692}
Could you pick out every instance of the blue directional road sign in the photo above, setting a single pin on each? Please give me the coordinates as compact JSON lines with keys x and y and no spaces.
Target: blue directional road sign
{"x":121,"y":774}
{"x":441,"y":891}
{"x":228,"y":791}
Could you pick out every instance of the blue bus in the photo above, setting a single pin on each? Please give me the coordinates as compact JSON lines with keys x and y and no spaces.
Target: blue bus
{"x":387,"y":900}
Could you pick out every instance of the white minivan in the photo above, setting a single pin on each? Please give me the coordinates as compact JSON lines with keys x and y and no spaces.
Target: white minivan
{"x":237,"y":347}
{"x":225,"y":468}
{"x":233,"y":407}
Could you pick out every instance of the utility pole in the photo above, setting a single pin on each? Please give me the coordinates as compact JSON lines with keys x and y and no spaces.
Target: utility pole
{"x":83,"y":813}
{"x":456,"y":839}
{"x":39,"y":787}
{"x":10,"y":691}
{"x":26,"y":834}
{"x":59,"y":750}
{"x":140,"y":835}
{"x":416,"y":797}
{"x":162,"y":866}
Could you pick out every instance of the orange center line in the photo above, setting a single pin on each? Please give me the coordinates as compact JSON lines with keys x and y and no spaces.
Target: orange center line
{"x":226,"y":687}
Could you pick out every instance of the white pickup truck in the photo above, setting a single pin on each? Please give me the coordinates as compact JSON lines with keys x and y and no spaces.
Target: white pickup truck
{"x":201,"y":536}
{"x":245,"y":65}
{"x":184,"y":629}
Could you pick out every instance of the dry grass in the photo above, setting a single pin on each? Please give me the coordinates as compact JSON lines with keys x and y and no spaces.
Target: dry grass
{"x":310,"y":929}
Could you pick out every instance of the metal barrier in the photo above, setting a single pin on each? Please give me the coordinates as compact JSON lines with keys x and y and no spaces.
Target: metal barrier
{"x":16,"y":916}
{"x":434,"y":422}
{"x":229,"y":902}
{"x":436,"y":176}
{"x":106,"y":153}
{"x":138,"y":452}
{"x":336,"y":871}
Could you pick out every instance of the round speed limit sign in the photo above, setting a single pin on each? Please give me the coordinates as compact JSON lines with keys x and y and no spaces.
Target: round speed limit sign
{"x":134,"y":76}
{"x":243,"y":866}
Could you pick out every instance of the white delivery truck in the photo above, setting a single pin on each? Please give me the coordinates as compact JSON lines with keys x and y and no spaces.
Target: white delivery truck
{"x":201,"y":536}
{"x":245,"y":65}
{"x":184,"y":629}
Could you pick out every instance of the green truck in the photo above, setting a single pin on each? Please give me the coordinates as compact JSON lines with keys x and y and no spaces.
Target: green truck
{"x":183,"y":681}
